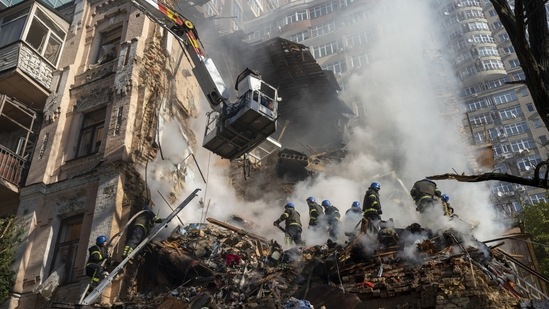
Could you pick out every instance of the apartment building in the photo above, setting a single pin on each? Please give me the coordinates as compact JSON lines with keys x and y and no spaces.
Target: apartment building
{"x":83,"y":85}
{"x":497,"y":112}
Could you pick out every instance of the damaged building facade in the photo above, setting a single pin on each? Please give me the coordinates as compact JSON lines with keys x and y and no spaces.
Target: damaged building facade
{"x":82,"y":88}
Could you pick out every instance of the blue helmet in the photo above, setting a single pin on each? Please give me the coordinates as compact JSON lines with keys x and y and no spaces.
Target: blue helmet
{"x":326,"y":203}
{"x":311,"y":199}
{"x":101,"y":240}
{"x":290,"y":204}
{"x":375,"y":186}
{"x":356,"y":204}
{"x":445,"y":197}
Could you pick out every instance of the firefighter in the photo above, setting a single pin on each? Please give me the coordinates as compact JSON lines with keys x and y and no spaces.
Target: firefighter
{"x":424,"y":192}
{"x":292,"y":221}
{"x":140,"y":229}
{"x":98,"y":255}
{"x":353,"y":216}
{"x":332,"y":216}
{"x":448,"y":210}
{"x":387,"y":237}
{"x":372,"y":206}
{"x":315,"y":211}
{"x":355,"y":212}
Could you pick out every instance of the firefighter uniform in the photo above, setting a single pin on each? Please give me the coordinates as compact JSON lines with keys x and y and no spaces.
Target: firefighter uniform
{"x":371,"y":206}
{"x":332,"y":216}
{"x":315,"y":211}
{"x":140,"y":229}
{"x":423,"y":192}
{"x":292,"y":221}
{"x":94,"y":265}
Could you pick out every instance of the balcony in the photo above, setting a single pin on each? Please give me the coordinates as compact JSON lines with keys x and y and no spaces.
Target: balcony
{"x":18,"y":127}
{"x":22,"y":68}
{"x":31,"y":40}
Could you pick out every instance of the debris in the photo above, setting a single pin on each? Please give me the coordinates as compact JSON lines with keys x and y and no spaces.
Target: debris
{"x":221,"y":266}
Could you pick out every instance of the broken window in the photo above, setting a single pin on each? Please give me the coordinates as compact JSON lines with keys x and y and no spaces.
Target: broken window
{"x":91,"y":134}
{"x":66,"y":247}
{"x":45,"y":37}
{"x":109,"y":46}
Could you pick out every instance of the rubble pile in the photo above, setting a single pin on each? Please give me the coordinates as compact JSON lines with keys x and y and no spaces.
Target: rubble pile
{"x":207,"y":266}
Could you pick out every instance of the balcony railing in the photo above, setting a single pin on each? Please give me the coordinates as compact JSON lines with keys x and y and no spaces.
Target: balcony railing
{"x":11,"y":166}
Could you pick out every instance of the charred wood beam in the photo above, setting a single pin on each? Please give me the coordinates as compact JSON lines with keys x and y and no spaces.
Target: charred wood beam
{"x":237,"y":230}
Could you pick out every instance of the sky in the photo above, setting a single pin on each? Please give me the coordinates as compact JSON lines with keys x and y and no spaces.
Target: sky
{"x":408,"y":133}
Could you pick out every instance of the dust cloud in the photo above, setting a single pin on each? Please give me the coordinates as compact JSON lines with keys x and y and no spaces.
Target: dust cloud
{"x":405,"y":132}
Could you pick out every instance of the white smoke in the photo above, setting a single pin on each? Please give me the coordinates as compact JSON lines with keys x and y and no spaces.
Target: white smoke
{"x":408,"y":133}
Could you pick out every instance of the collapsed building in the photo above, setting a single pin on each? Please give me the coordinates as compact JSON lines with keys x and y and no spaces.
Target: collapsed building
{"x":218,"y":265}
{"x":103,"y":101}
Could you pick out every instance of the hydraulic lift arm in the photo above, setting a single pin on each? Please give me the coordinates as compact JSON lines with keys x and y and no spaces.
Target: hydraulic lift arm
{"x":233,"y":129}
{"x":88,"y":300}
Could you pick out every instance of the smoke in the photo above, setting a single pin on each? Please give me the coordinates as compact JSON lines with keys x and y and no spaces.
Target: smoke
{"x":407,"y":132}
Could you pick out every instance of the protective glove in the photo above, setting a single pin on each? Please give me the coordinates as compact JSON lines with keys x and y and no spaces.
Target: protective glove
{"x":379,"y":212}
{"x":275,"y":223}
{"x":158,"y":220}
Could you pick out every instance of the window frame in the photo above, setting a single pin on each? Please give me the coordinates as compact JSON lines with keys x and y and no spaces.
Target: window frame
{"x":72,"y":244}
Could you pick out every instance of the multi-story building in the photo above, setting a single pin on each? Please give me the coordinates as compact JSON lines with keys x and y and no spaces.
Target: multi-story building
{"x":82,"y":88}
{"x":497,"y":112}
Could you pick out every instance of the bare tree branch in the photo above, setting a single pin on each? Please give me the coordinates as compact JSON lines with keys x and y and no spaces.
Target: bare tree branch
{"x":533,"y":182}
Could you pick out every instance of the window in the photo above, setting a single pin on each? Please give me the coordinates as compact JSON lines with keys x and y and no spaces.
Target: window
{"x":357,"y":17}
{"x":538,"y":198}
{"x":523,"y":144}
{"x":479,"y":138}
{"x":475,"y":105}
{"x":543,"y":140}
{"x":487,"y":51}
{"x":537,"y":123}
{"x":66,"y":247}
{"x":518,"y":76}
{"x":45,"y":37}
{"x":516,"y":128}
{"x":12,"y":26}
{"x":91,"y":134}
{"x":109,"y":46}
{"x":323,"y":9}
{"x":501,"y":149}
{"x":508,"y":50}
{"x":492,"y":65}
{"x":514,"y":63}
{"x":511,"y":112}
{"x":497,"y":25}
{"x":359,"y":61}
{"x":327,"y":49}
{"x":526,"y":164}
{"x":482,"y":38}
{"x":503,"y":37}
{"x":504,"y":97}
{"x":480,"y":119}
{"x":299,"y":37}
{"x":323,"y":29}
{"x":336,"y":67}
{"x":530,"y":107}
